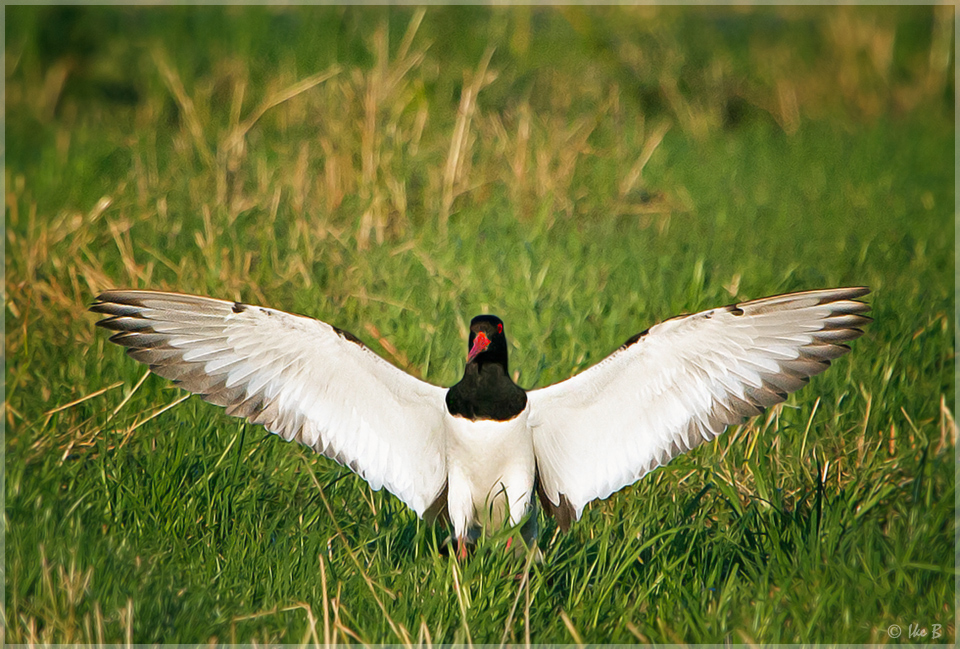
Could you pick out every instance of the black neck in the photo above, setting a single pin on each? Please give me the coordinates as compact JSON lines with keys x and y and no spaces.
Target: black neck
{"x":486,"y":391}
{"x":495,"y":356}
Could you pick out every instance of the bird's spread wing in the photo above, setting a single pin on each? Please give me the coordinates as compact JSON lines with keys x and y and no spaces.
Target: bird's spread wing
{"x":301,"y":378}
{"x":679,"y":384}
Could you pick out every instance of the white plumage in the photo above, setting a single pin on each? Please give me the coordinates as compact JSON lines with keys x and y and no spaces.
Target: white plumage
{"x":680,"y":385}
{"x":662,"y":393}
{"x":299,"y":378}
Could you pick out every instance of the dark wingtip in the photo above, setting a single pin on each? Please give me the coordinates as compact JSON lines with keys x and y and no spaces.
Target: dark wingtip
{"x":97,"y":305}
{"x":634,"y":338}
{"x":437,"y":511}
{"x":113,"y":301}
{"x":346,"y":335}
{"x":564,"y":512}
{"x":849,"y":293}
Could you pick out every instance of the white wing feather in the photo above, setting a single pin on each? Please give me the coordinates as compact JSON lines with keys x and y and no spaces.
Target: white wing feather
{"x":680,"y":384}
{"x":301,"y":378}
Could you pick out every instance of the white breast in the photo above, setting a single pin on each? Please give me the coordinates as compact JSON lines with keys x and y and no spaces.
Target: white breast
{"x":491,"y":469}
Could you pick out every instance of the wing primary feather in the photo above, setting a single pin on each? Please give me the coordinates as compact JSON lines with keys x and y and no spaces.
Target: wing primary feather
{"x":848,"y":320}
{"x":823,"y":352}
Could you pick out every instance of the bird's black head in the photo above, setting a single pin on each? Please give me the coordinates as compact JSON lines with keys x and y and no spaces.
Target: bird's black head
{"x":486,"y":390}
{"x":487,"y":342}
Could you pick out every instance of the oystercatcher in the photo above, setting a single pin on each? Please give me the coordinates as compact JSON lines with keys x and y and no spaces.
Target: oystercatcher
{"x":479,"y":451}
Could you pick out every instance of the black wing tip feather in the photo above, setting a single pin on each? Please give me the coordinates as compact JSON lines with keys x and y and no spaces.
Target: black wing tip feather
{"x":346,"y":335}
{"x":124,"y":311}
{"x":436,"y":512}
{"x":842,"y":326}
{"x":116,"y":309}
{"x":564,"y":512}
{"x":826,"y":296}
{"x":634,"y":338}
{"x":850,"y":318}
{"x":848,"y":293}
{"x":116,"y":297}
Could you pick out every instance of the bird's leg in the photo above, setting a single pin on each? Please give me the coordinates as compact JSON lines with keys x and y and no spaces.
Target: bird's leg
{"x":461,"y":547}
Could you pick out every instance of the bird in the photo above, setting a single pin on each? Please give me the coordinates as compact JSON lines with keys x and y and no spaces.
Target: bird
{"x":483,"y":453}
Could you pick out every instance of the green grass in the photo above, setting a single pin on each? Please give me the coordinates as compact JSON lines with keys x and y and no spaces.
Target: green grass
{"x":806,"y":148}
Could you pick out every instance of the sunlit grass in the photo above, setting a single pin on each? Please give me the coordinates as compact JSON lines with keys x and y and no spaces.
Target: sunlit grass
{"x":394,"y":180}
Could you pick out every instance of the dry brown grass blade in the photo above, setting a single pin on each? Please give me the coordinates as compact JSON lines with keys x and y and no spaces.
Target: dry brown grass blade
{"x":120,"y":230}
{"x":747,"y":639}
{"x":129,"y":395}
{"x":311,"y":632}
{"x":456,"y":153}
{"x":632,"y":628}
{"x":254,"y":616}
{"x":519,"y":162}
{"x":861,"y":439}
{"x":374,"y":93}
{"x":524,"y":586}
{"x":53,"y":84}
{"x":382,"y":91}
{"x":47,"y":415}
{"x":91,"y":270}
{"x":411,"y":32}
{"x":567,"y":622}
{"x":156,"y":413}
{"x":398,"y":629}
{"x":274,"y":100}
{"x":327,"y":637}
{"x":395,"y":353}
{"x":649,"y":147}
{"x":187,"y":108}
{"x":948,"y":427}
{"x":55,"y":603}
{"x":127,"y":621}
{"x":401,"y":69}
{"x":788,"y":107}
{"x":339,"y":626}
{"x":806,"y":431}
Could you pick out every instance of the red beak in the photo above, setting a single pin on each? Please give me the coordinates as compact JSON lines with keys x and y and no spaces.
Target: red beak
{"x":480,"y":343}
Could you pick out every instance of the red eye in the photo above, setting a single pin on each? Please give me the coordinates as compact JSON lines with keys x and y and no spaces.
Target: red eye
{"x":499,"y":328}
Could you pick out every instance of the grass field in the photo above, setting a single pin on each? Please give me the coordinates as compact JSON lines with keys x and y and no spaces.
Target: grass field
{"x":583,"y":173}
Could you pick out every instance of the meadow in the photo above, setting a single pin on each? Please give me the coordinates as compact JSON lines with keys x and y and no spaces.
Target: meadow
{"x":581,"y":172}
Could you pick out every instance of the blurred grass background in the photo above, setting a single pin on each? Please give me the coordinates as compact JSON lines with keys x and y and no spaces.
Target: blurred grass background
{"x":582,"y":172}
